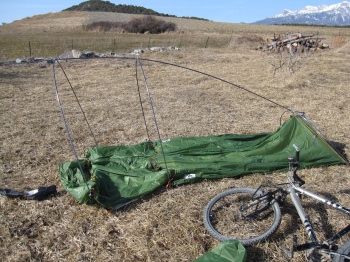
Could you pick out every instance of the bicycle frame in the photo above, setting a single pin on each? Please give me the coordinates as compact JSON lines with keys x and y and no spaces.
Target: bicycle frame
{"x":307,"y":223}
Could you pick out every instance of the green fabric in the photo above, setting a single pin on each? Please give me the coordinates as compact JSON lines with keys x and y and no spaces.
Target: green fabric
{"x":226,"y":251}
{"x":118,"y":174}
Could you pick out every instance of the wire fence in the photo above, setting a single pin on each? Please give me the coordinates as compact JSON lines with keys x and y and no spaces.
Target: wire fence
{"x":13,"y":47}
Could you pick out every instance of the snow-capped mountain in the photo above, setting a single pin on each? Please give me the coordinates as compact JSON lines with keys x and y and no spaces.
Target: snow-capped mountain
{"x":337,"y":14}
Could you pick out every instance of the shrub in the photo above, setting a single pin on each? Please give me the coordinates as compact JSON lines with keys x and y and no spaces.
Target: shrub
{"x":137,"y":25}
{"x":103,"y":26}
{"x":148,"y":24}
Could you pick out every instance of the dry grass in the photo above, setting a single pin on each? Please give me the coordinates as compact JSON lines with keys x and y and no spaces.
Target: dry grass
{"x":166,"y":226}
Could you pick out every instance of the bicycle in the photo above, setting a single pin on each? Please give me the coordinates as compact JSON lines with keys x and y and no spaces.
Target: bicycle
{"x":253,"y":215}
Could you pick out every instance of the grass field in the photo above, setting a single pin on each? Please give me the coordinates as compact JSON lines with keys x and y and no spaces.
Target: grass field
{"x":53,"y":34}
{"x":165,"y":226}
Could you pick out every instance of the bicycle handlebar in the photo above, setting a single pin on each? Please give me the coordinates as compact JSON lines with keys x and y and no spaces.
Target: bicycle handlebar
{"x":295,"y":165}
{"x":297,"y":152}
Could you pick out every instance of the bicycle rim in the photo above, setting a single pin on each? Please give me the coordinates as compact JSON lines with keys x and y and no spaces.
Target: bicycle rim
{"x":224,"y":220}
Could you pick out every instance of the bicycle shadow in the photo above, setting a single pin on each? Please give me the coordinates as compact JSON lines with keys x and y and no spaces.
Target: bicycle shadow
{"x":256,"y":254}
{"x":345,"y":191}
{"x":317,"y":213}
{"x":290,"y":226}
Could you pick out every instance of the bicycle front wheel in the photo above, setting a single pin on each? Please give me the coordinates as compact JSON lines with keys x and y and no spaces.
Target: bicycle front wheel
{"x":224,"y":219}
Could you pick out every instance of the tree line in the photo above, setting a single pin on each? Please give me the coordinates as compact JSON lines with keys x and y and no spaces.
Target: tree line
{"x":106,"y":6}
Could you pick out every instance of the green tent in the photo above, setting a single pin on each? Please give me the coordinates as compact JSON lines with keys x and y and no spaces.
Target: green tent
{"x":114,"y":175}
{"x":226,"y":251}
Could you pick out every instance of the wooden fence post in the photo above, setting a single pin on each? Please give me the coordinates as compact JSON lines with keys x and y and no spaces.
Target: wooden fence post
{"x":229,"y":42}
{"x":30,"y":49}
{"x":206,"y":43}
{"x":181,"y":41}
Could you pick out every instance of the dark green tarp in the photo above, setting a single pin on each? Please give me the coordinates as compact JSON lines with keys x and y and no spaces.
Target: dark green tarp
{"x":226,"y":251}
{"x":118,"y":174}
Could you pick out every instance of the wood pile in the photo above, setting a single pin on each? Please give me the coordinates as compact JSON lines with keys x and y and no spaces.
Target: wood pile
{"x":294,"y":43}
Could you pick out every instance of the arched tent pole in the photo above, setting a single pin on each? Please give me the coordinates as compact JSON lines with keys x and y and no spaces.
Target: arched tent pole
{"x":298,"y":113}
{"x":196,"y":71}
{"x":154,"y":117}
{"x":295,"y":112}
{"x":225,"y":81}
{"x":66,"y":126}
{"x":222,"y":80}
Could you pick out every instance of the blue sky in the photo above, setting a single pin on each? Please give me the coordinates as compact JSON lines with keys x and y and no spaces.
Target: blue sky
{"x":231,"y":11}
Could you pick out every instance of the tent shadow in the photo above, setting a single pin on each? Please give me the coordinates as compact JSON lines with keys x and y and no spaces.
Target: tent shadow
{"x":340,"y":148}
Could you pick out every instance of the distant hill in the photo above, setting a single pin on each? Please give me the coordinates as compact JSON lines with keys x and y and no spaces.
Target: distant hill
{"x":106,"y":6}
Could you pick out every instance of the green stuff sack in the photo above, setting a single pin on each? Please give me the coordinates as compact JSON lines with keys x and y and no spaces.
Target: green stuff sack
{"x":226,"y":251}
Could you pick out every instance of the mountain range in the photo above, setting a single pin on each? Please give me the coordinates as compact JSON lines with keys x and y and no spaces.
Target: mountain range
{"x":332,"y":15}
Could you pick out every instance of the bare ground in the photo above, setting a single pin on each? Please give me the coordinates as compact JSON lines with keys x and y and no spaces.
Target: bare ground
{"x":165,"y":226}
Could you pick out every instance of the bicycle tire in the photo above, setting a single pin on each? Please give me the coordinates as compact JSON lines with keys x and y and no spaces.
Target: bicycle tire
{"x":344,"y":249}
{"x":223,"y":220}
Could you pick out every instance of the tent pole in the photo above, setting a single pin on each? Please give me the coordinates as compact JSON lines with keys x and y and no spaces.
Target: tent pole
{"x":154,"y":117}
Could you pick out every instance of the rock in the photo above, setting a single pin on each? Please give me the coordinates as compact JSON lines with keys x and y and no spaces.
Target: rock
{"x":71,"y":54}
{"x":88,"y":54}
{"x":172,"y":48}
{"x":42,"y":65}
{"x":76,"y":54}
{"x":157,"y":48}
{"x":66,"y":55}
{"x":138,"y":51}
{"x":324,"y":46}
